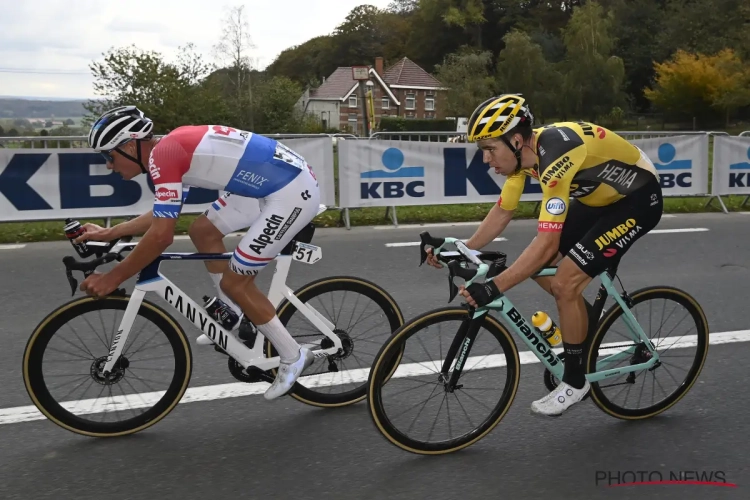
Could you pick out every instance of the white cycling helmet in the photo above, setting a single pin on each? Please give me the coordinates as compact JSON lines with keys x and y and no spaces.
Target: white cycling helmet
{"x":117,"y":127}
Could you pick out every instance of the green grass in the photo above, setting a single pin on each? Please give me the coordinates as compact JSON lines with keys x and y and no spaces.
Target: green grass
{"x":21,"y":232}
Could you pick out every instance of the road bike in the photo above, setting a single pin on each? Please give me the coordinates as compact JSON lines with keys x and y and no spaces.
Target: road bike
{"x":110,"y":365}
{"x":446,"y":378}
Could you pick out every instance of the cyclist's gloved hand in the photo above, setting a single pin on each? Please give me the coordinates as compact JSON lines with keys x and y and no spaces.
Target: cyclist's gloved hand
{"x":481,"y":294}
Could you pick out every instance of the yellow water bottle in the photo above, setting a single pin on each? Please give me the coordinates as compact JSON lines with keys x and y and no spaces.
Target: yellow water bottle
{"x":547,"y":328}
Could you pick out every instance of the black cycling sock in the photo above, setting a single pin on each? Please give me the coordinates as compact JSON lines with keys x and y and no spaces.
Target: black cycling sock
{"x":574,"y":372}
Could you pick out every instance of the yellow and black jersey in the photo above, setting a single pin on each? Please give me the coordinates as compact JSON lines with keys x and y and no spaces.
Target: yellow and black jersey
{"x":583,"y":161}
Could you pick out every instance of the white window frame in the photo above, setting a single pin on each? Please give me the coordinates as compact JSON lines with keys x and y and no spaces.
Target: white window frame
{"x":385,"y":103}
{"x":353,"y":96}
{"x":413,"y":99}
{"x":429,"y":100}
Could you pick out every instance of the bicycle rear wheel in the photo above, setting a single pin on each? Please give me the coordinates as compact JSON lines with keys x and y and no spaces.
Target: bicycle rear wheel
{"x":421,"y":373}
{"x":341,"y":379}
{"x":651,"y":301}
{"x":51,"y":346}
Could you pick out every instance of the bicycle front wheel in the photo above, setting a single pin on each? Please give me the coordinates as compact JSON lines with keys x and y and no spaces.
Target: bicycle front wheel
{"x":681,"y":357}
{"x":432,"y":342}
{"x":364,"y":316}
{"x":62,"y":367}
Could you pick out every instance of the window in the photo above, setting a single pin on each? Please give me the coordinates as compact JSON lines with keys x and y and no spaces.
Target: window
{"x":353,"y":122}
{"x":429,"y":104}
{"x":385,"y":103}
{"x":353,"y":101}
{"x":411,"y":101}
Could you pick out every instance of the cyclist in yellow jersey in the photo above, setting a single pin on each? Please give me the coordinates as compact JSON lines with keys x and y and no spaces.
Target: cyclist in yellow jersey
{"x":600,"y":194}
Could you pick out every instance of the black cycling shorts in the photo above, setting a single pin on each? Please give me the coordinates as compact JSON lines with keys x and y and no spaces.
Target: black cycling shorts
{"x":596,"y":238}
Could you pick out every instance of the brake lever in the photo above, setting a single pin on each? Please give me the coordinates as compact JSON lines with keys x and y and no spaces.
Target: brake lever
{"x":435,"y":243}
{"x":87,"y":268}
{"x":468,"y":275}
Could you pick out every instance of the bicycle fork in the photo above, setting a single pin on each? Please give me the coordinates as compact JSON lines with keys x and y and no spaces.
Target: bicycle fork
{"x":461,"y":346}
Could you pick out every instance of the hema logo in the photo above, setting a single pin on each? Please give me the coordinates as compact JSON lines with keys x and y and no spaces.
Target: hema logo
{"x":393,"y":161}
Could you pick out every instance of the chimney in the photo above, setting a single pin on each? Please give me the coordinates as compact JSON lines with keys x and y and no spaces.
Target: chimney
{"x":379,"y":66}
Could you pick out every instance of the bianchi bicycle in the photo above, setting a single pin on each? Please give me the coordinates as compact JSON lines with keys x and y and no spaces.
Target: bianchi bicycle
{"x":457,"y":372}
{"x":121,"y":359}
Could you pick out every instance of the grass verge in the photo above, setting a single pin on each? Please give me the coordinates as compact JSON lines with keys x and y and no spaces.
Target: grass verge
{"x":23,"y":232}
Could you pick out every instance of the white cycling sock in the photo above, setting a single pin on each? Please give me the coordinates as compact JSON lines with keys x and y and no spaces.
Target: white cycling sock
{"x":275,"y":332}
{"x":216,"y":277}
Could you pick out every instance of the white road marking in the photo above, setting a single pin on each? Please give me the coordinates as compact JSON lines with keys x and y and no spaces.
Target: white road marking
{"x":429,"y":224}
{"x":12,"y":246}
{"x":681,"y":230}
{"x":239,"y":389}
{"x":187,"y":236}
{"x":417,"y":243}
{"x":653,"y":231}
{"x":475,"y":223}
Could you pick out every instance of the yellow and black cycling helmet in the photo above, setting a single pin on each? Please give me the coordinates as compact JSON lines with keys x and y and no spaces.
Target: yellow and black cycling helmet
{"x":497,"y":116}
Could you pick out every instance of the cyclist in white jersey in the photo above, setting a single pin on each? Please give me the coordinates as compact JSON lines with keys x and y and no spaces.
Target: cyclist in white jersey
{"x":269,"y":188}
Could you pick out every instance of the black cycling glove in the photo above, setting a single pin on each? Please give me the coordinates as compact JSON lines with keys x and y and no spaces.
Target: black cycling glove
{"x":483,"y":293}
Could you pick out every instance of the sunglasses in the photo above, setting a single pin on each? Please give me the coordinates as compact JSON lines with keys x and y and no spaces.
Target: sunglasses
{"x":108,"y":156}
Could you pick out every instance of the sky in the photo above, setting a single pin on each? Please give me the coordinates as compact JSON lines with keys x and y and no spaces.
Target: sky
{"x":46,"y":46}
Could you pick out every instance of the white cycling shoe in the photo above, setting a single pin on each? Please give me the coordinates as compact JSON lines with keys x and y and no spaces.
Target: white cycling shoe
{"x":558,"y":401}
{"x":288,"y":373}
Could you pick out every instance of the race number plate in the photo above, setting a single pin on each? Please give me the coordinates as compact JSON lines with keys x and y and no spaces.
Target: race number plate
{"x":309,"y":254}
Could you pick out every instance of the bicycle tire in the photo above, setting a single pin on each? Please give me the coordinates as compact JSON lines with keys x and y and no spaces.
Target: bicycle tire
{"x":380,"y":369}
{"x":46,"y":329}
{"x":640,"y":296}
{"x":311,"y":290}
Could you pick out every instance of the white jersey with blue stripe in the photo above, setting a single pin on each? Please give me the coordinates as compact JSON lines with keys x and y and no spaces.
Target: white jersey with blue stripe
{"x":218,"y":157}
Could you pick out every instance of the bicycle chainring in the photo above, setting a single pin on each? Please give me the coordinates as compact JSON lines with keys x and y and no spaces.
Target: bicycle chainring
{"x":250,"y":376}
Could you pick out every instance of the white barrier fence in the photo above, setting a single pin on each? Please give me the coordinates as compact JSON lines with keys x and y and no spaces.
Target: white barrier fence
{"x":52,"y":184}
{"x":392,"y":173}
{"x":731,"y":166}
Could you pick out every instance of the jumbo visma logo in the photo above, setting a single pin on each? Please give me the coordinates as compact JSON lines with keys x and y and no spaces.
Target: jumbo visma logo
{"x":619,"y":235}
{"x":393,"y":161}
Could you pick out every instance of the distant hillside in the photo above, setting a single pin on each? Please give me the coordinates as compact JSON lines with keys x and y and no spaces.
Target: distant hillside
{"x":27,"y":108}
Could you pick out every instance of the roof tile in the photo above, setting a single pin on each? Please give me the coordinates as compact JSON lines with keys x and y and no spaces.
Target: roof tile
{"x":336,"y":86}
{"x":408,"y":73}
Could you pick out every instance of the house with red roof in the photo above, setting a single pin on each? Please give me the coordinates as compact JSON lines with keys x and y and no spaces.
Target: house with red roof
{"x":404,"y":89}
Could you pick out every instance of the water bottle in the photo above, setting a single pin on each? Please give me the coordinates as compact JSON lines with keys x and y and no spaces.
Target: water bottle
{"x":221,"y":312}
{"x":547,"y":328}
{"x":74,"y":229}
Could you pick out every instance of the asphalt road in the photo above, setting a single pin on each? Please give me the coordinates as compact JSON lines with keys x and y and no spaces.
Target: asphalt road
{"x":245,"y":447}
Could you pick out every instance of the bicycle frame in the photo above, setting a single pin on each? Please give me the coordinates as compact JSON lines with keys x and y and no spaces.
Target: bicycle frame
{"x":528,"y":333}
{"x":547,"y":356}
{"x":150,"y":279}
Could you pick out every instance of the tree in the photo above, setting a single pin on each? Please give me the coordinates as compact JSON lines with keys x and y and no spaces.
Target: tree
{"x":697,"y":85}
{"x":704,"y":26}
{"x":170,"y":94}
{"x":275,"y":98}
{"x":467,"y":76}
{"x":522,"y":68}
{"x":307,"y":63}
{"x":469,"y":15}
{"x":636,"y":28}
{"x":232,"y":52}
{"x":593,"y":76}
